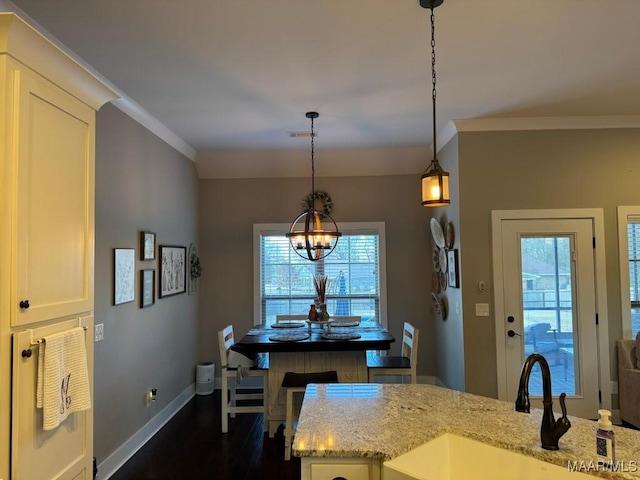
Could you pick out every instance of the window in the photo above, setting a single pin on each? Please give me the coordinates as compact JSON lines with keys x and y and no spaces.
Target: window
{"x":283,"y":282}
{"x":629,"y":252}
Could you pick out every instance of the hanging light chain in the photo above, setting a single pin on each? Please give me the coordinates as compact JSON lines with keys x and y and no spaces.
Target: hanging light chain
{"x":313,"y":166}
{"x":433,"y":76}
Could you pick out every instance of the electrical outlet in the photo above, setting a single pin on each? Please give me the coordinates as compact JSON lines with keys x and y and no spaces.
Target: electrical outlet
{"x":150,"y":397}
{"x":99,"y":332}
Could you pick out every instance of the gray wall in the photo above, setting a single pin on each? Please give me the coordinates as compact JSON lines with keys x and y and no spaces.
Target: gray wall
{"x":449,"y":332}
{"x":141,"y":184}
{"x":229,"y":208}
{"x":536,"y":170}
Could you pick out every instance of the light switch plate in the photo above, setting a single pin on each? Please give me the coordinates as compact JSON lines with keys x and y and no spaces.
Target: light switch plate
{"x":482,"y":309}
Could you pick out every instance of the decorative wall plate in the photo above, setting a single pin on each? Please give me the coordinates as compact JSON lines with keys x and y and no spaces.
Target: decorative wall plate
{"x":435,"y":282}
{"x":436,"y":232}
{"x":449,"y":236}
{"x":437,"y":306}
{"x":436,"y":259}
{"x":442,"y":260}
{"x":443,"y":281}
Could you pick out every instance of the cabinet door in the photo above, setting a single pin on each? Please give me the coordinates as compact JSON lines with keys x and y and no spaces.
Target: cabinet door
{"x":65,"y":453}
{"x":333,"y":471}
{"x":53,"y":220}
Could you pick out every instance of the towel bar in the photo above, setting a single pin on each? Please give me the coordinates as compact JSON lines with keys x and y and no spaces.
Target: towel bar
{"x":26,"y":353}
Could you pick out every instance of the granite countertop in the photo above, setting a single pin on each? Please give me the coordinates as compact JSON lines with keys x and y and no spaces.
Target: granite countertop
{"x":384,"y":421}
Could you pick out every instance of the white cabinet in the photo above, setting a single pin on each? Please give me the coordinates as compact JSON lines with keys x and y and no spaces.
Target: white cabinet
{"x":332,"y":468}
{"x":47,"y":146}
{"x":37,"y":453}
{"x":53,"y":200}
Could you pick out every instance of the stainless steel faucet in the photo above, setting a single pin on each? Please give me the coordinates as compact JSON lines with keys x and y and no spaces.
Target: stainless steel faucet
{"x":550,"y":430}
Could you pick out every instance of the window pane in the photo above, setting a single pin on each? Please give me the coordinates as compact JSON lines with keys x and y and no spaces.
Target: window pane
{"x":633,"y":237}
{"x":286,"y":285}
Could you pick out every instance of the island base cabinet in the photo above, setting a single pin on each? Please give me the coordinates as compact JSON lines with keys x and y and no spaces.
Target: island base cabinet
{"x":325,"y":468}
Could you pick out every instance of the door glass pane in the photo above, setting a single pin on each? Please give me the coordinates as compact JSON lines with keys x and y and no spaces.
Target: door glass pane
{"x":548,"y":299}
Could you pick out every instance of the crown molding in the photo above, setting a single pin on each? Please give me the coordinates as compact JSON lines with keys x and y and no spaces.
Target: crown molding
{"x":28,"y":46}
{"x":48,"y":43}
{"x":506,"y":124}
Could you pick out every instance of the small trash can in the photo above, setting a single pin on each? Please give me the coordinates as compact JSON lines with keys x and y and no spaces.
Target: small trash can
{"x":204,"y":378}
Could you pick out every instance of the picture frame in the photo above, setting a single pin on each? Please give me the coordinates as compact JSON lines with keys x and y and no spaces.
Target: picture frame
{"x":147,"y":246}
{"x":173,"y":268}
{"x":123,"y":275}
{"x":452,"y":272}
{"x":147,"y":287}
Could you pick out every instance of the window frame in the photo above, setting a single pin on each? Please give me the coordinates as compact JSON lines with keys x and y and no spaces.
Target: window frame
{"x":347,"y":228}
{"x":626,"y":215}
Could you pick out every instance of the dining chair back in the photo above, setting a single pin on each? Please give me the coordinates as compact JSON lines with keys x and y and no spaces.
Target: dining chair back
{"x":231,"y":379}
{"x":290,"y":318}
{"x":405,"y":364}
{"x":294,"y":383}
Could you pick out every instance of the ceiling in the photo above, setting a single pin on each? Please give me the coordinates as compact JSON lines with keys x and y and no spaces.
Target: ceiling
{"x":231,"y":78}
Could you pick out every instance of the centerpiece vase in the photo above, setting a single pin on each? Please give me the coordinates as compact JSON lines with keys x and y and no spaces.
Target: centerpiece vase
{"x":324,"y":314}
{"x":313,"y":313}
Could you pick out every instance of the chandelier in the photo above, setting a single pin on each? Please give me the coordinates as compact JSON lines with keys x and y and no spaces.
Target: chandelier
{"x":313,"y":234}
{"x":435,"y":181}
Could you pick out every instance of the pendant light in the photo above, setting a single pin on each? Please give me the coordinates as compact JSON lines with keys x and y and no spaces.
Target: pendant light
{"x":435,"y":181}
{"x":313,"y":234}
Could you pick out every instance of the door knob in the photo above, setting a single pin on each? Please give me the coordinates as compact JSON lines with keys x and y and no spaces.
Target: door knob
{"x":510,"y":319}
{"x":511,"y":333}
{"x":24,"y":304}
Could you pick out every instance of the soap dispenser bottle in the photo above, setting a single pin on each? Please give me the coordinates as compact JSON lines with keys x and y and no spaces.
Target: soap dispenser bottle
{"x":605,"y":440}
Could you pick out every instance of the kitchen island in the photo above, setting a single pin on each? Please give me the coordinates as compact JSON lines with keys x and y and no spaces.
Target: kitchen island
{"x":360,"y":426}
{"x":312,"y":354}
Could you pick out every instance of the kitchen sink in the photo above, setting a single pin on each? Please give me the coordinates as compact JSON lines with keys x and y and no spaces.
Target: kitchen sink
{"x":451,"y":456}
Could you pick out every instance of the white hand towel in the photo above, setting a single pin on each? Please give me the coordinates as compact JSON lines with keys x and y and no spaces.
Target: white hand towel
{"x":63,"y":377}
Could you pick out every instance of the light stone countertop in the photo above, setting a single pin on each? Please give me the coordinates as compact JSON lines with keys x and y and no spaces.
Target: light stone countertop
{"x":384,"y":421}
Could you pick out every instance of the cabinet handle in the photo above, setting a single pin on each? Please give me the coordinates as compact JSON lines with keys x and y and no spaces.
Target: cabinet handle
{"x":339,"y":478}
{"x":24,"y":304}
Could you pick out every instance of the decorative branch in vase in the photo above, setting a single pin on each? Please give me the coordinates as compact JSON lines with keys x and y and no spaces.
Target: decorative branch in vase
{"x":320,"y":284}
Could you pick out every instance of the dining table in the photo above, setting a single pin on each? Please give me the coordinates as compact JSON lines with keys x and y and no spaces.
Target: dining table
{"x":311,"y":347}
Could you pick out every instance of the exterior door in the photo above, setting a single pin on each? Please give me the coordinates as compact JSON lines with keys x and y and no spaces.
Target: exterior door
{"x":549,"y":297}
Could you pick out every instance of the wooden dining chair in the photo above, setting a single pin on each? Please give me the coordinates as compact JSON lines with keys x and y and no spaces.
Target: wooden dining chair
{"x":404,"y":364}
{"x":294,"y":383}
{"x":231,"y":393}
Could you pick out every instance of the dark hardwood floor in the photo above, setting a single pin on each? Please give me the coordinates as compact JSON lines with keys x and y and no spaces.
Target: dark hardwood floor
{"x":191,"y":446}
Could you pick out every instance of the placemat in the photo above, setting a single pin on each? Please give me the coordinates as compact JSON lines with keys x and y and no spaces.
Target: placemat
{"x":289,"y":336}
{"x":340,"y":336}
{"x":338,"y":324}
{"x":287,"y":325}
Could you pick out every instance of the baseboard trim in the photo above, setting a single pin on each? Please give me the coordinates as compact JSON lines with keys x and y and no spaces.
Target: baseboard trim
{"x":118,"y":458}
